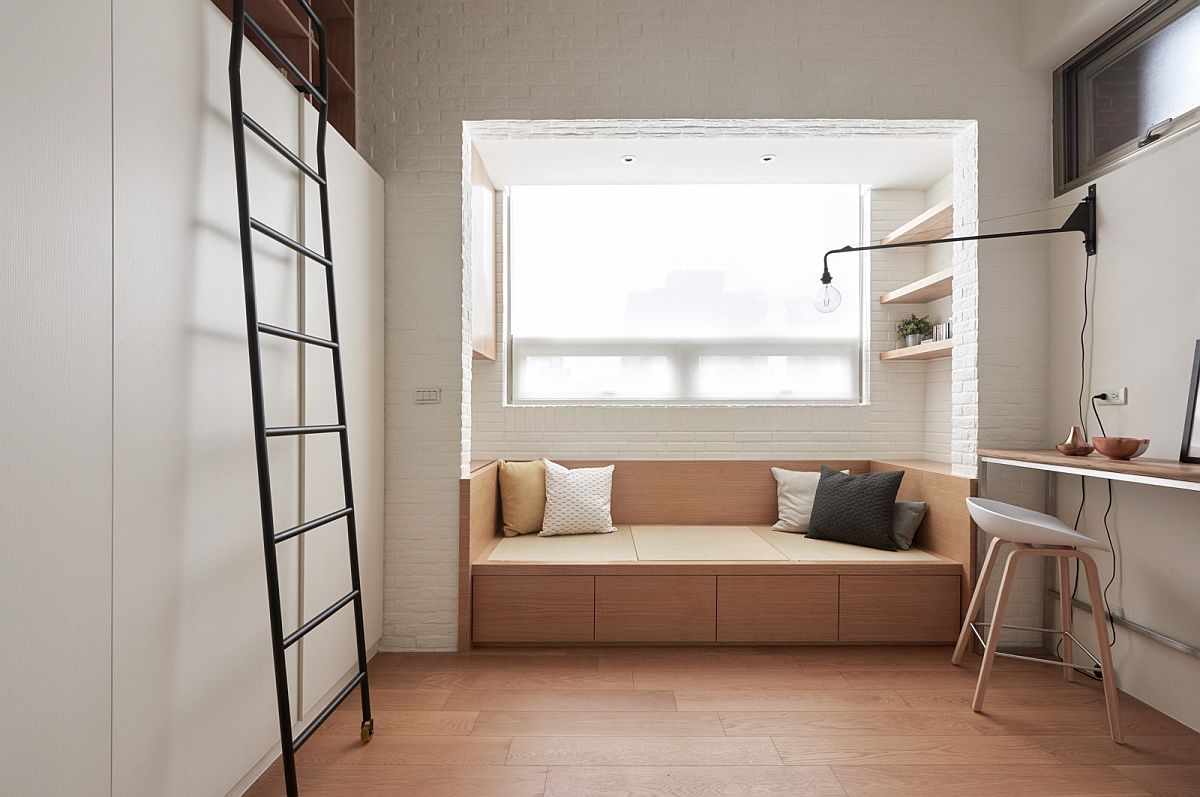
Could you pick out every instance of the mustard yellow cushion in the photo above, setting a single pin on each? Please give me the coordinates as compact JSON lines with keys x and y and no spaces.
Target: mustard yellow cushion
{"x":522,"y":496}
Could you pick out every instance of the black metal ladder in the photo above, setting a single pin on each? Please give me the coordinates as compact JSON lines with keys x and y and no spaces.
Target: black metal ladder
{"x":248,"y":226}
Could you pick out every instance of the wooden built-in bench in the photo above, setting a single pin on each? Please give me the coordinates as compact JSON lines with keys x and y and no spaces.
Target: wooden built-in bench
{"x":894,"y":599}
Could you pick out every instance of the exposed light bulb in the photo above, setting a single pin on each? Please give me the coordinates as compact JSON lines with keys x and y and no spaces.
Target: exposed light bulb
{"x":828,"y":299}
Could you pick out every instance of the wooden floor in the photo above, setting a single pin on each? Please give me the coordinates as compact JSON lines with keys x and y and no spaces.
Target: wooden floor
{"x":735,"y":721}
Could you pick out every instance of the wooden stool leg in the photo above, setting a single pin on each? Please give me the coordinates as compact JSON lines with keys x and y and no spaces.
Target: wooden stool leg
{"x":993,"y":637}
{"x":1106,"y":666}
{"x":1066,"y":612}
{"x":964,"y":636}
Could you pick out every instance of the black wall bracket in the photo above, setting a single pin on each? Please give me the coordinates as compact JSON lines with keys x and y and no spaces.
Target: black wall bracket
{"x":1082,"y":220}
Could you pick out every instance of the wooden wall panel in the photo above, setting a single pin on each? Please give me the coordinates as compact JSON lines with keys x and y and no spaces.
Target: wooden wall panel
{"x":889,"y":608}
{"x":483,"y":261}
{"x":947,"y":529}
{"x":656,"y":608}
{"x":777,"y":608}
{"x":533,"y":609}
{"x":701,"y":492}
{"x":478,"y":527}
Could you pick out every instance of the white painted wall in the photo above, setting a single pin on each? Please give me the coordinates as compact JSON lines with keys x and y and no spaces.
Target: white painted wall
{"x":426,"y":68}
{"x":1052,"y":32}
{"x":1143,"y":334}
{"x":133,"y":589}
{"x":56,"y":399}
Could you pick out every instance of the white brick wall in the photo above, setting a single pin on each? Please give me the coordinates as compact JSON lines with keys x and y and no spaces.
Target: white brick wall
{"x":425,"y":67}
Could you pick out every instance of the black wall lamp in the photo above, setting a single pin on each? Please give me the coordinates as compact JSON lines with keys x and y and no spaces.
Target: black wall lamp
{"x":1082,"y":219}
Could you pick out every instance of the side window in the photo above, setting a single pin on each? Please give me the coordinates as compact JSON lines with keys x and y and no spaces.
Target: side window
{"x":1135,"y":86}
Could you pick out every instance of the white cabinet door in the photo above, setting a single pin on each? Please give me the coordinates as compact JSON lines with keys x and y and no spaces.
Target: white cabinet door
{"x":56,"y":398}
{"x":356,"y":221}
{"x":194,"y":691}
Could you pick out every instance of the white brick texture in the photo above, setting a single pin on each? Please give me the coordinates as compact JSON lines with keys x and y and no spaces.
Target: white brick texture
{"x":425,"y":67}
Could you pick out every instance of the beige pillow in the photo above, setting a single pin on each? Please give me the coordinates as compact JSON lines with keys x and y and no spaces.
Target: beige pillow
{"x":796,"y":492}
{"x":522,"y":496}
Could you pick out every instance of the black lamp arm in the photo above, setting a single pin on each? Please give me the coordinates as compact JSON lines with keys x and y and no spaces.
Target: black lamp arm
{"x":1082,"y":219}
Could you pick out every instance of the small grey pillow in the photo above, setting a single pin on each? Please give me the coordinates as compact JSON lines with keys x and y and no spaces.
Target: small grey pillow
{"x":906,"y":519}
{"x":856,"y":509}
{"x":796,"y":490}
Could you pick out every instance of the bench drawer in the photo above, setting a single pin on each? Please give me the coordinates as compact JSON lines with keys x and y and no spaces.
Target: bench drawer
{"x":777,"y":608}
{"x":532,"y":609}
{"x":656,"y":608}
{"x":899,"y":608}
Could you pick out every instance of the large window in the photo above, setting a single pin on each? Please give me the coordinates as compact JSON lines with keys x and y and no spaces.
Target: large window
{"x":682,"y":294}
{"x":1137,"y":84}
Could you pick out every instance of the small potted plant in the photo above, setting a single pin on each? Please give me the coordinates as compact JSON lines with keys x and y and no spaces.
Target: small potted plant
{"x":914,"y":329}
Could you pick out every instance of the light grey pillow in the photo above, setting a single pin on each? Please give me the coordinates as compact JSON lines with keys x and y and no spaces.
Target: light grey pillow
{"x":578,"y":501}
{"x":796,"y":490}
{"x":906,"y":519}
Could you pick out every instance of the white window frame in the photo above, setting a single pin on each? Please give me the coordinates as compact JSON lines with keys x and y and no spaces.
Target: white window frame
{"x":1072,"y":113}
{"x":685,"y":354}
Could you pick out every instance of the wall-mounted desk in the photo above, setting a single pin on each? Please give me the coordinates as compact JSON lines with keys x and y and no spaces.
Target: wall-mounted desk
{"x":1155,"y":472}
{"x":1152,"y":472}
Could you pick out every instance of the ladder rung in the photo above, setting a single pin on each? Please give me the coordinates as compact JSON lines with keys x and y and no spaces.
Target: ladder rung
{"x":279,"y":147}
{"x":285,"y":431}
{"x":291,"y":334}
{"x":295,"y":246}
{"x":296,"y":635}
{"x":287,"y":534}
{"x":287,"y":62}
{"x":303,"y":736}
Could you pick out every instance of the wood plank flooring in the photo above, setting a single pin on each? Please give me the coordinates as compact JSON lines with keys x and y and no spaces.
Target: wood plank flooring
{"x":874,"y":721}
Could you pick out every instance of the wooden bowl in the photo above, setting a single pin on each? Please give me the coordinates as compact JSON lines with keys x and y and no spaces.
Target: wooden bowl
{"x":1121,"y":447}
{"x":1072,"y":450}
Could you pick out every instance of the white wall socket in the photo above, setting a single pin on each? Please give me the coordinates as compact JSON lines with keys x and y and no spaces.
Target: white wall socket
{"x":1116,"y":395}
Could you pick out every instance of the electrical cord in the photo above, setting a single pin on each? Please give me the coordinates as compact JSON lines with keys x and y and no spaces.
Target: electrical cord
{"x":1112,"y":636}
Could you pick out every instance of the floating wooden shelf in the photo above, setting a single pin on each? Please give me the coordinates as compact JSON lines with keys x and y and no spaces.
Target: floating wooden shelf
{"x":927,"y":289}
{"x":937,"y":222}
{"x":929,"y":350}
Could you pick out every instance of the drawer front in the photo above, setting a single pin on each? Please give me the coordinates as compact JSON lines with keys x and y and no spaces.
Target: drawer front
{"x":656,"y":608}
{"x":777,"y":608}
{"x":512,"y":609}
{"x":899,"y":608}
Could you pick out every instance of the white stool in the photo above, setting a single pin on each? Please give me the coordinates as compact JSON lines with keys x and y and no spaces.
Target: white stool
{"x":1027,"y":529}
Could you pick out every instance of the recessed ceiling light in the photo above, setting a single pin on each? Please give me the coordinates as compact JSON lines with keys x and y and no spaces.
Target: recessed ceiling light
{"x":629,"y":159}
{"x":767,"y":158}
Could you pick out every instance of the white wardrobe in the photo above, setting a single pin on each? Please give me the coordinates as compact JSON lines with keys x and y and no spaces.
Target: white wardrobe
{"x":132,"y":586}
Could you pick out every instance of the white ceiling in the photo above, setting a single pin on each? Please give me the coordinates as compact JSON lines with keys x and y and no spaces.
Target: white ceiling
{"x":881,"y":161}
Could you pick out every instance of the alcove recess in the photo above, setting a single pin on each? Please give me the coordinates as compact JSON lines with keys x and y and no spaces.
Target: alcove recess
{"x":934,"y":223}
{"x":287,"y":24}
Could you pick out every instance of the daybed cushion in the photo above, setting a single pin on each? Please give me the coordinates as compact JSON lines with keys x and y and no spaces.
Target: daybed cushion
{"x":522,"y":496}
{"x":702,"y":543}
{"x":856,"y":508}
{"x":677,"y":544}
{"x":590,"y":548}
{"x":578,"y":501}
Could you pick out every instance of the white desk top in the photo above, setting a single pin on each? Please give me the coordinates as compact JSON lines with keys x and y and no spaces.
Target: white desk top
{"x":1155,"y":472}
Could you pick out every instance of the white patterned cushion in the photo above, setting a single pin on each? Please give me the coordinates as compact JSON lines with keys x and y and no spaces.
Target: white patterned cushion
{"x":578,"y":501}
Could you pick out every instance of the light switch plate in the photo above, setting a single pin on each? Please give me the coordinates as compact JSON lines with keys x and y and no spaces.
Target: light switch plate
{"x":1116,"y":395}
{"x":428,"y":395}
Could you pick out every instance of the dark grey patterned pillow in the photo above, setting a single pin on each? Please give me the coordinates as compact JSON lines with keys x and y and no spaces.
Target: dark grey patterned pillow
{"x":855,"y":508}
